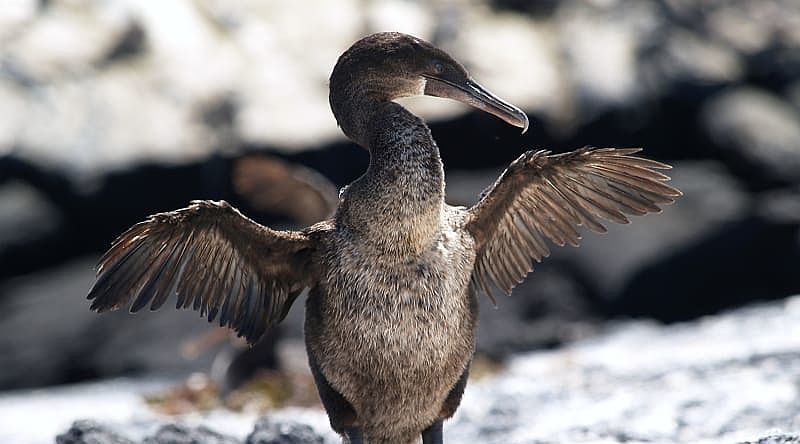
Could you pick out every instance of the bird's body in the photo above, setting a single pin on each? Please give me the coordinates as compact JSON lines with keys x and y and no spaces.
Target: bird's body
{"x":374,"y":328}
{"x":392,"y":300}
{"x":394,"y":276}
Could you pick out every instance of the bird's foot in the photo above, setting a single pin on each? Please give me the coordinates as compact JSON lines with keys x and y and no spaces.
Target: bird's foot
{"x":433,"y":434}
{"x":354,"y":436}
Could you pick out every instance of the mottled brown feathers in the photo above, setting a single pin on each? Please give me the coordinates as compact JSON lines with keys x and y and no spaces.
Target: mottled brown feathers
{"x":213,"y":259}
{"x":542,"y":196}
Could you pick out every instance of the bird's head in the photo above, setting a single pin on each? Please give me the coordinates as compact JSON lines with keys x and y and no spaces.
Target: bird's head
{"x":390,"y":65}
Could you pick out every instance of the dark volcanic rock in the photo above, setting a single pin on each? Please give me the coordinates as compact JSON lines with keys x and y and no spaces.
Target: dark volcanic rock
{"x":552,"y":307}
{"x":270,"y":431}
{"x":131,"y":42}
{"x":780,"y":438}
{"x":177,"y":434}
{"x":49,"y":336}
{"x":793,"y":94}
{"x":90,"y":432}
{"x":751,"y":257}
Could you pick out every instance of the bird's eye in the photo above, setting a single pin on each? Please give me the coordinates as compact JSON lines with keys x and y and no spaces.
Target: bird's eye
{"x":438,"y":67}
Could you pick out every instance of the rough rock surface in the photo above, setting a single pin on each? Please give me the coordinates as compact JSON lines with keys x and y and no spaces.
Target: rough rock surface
{"x":90,"y":432}
{"x":722,"y":379}
{"x":177,"y":434}
{"x":270,"y":431}
{"x":776,"y":439}
{"x":267,"y":431}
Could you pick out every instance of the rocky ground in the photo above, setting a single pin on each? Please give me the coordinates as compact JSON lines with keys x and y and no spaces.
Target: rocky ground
{"x":729,"y":378}
{"x":113,"y":110}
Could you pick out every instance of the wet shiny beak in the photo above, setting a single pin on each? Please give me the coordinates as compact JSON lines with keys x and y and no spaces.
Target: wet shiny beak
{"x":472,"y":93}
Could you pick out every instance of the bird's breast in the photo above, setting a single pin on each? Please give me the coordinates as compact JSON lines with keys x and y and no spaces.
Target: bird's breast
{"x":390,"y":303}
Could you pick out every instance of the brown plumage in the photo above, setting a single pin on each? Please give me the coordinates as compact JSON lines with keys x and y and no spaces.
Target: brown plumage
{"x":214,"y":259}
{"x":548,"y":196}
{"x":394,"y":275}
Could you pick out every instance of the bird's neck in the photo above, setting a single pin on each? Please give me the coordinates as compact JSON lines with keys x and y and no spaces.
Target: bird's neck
{"x":396,"y":205}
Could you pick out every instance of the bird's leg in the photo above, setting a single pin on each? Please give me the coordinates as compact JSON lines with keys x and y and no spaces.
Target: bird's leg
{"x":354,"y":435}
{"x":433,"y":434}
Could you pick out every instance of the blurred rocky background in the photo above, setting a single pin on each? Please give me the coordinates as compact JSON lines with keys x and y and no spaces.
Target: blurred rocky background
{"x":111,"y":110}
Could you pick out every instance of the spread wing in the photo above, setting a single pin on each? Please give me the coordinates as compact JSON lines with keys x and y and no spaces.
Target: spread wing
{"x":214,"y":259}
{"x":542,"y":196}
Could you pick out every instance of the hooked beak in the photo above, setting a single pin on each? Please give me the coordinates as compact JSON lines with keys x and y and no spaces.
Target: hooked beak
{"x":472,"y":93}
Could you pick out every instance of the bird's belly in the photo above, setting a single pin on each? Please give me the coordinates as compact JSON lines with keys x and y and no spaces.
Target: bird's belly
{"x":394,"y":340}
{"x":407,"y":341}
{"x":396,"y":364}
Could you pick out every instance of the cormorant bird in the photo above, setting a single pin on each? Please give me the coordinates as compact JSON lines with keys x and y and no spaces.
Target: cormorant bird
{"x":394,"y":276}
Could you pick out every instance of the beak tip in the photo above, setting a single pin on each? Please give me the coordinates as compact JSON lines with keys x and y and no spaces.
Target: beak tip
{"x":522,"y":121}
{"x":472,"y":93}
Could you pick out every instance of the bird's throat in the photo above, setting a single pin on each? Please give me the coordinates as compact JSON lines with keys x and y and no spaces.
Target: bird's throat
{"x":397,"y":203}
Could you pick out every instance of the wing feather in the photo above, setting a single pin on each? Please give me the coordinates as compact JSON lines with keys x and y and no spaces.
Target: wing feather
{"x":213,"y":260}
{"x":543,"y":196}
